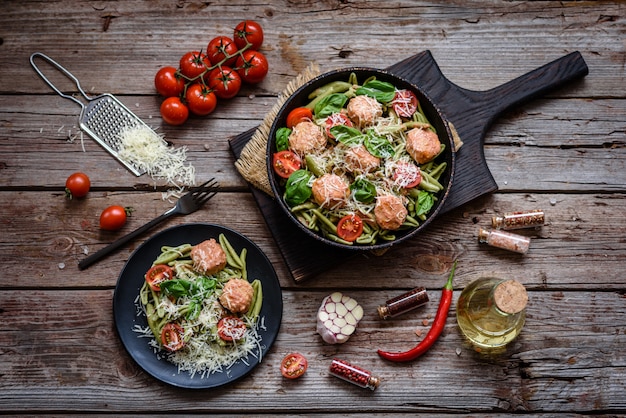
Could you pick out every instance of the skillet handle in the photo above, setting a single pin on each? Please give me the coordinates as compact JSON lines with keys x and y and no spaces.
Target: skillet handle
{"x":536,"y":83}
{"x":63,"y":71}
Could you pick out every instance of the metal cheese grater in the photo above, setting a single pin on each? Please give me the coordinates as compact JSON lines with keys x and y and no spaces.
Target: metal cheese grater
{"x":103,"y":117}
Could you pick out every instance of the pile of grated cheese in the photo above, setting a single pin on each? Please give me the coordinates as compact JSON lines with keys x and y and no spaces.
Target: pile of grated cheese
{"x":150,"y":152}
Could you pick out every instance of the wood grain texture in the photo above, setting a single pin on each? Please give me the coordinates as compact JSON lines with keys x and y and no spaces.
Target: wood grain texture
{"x":563,"y":152}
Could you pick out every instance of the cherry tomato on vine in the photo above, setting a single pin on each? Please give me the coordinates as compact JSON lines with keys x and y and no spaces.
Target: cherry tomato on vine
{"x":252,"y":66}
{"x":200,"y":100}
{"x":77,"y":185}
{"x":174,"y":111}
{"x":172,"y":337}
{"x":285,"y":163}
{"x":231,"y":328}
{"x":246,"y":32}
{"x":404,"y":103}
{"x":350,"y":227}
{"x":225,"y":82}
{"x":193,"y":64}
{"x":293,"y":365}
{"x":157,"y":275}
{"x":222,"y":48}
{"x":298,"y":115}
{"x":114,"y":217}
{"x":168,"y":82}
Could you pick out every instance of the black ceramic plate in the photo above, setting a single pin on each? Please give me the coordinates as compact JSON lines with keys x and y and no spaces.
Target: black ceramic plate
{"x":132,"y":277}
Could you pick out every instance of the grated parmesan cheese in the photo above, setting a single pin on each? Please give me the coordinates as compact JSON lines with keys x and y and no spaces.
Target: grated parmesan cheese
{"x":150,"y":152}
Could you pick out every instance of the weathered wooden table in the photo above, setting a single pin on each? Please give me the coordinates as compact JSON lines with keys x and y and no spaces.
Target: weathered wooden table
{"x":562,"y":152}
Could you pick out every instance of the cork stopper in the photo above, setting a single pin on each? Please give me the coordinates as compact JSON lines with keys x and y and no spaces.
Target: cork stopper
{"x":510,"y":297}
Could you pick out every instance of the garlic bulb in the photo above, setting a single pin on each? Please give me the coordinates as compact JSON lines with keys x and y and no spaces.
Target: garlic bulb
{"x":338,"y":317}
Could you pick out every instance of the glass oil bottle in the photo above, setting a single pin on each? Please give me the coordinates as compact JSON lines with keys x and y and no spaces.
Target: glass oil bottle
{"x":491,"y":312}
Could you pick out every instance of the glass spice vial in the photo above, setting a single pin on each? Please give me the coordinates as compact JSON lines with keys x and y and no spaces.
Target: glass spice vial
{"x":519,"y":220}
{"x":505,"y":240}
{"x":403,"y":303}
{"x":353,"y":374}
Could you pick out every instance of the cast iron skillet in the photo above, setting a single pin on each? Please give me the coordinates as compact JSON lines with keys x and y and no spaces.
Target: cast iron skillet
{"x":300,"y":98}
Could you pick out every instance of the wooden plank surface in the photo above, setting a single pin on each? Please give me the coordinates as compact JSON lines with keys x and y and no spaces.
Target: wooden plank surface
{"x":564,"y":152}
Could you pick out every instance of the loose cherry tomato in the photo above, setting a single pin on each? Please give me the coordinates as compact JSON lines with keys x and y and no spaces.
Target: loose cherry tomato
{"x":77,"y":185}
{"x":231,"y":328}
{"x":247,"y":32}
{"x":114,"y":217}
{"x":298,"y":115}
{"x":407,"y":175}
{"x":334,"y":120}
{"x":168,"y":82}
{"x":404,"y":103}
{"x":293,"y":365}
{"x":252,"y":66}
{"x":193,"y":64}
{"x":172,"y":337}
{"x":222,"y":50}
{"x":225,"y":82}
{"x":285,"y":163}
{"x":157,"y":275}
{"x":200,"y":100}
{"x":174,"y":111}
{"x":350,"y":227}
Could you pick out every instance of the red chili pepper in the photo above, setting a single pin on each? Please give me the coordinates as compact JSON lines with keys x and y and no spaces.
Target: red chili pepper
{"x":435,"y":330}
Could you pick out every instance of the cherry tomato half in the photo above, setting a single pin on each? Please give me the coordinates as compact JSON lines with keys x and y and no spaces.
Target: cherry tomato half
{"x":222,"y":50}
{"x":225,"y":82}
{"x":193,"y":64}
{"x":77,"y":185}
{"x":293,"y":365}
{"x":252,"y":66}
{"x":231,"y":328}
{"x":200,"y":100}
{"x":298,"y":115}
{"x":285,"y":163}
{"x":246,"y":32}
{"x":157,"y":275}
{"x":168,"y":82}
{"x":174,"y":111}
{"x":404,"y":103}
{"x":172,"y":337}
{"x":114,"y":217}
{"x":407,"y":175}
{"x":334,"y":120}
{"x":350,"y":227}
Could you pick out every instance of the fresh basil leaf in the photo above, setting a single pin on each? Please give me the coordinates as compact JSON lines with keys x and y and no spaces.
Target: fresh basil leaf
{"x":282,"y":138}
{"x":380,"y":90}
{"x":425,"y":202}
{"x":377,"y":145}
{"x":333,"y":103}
{"x":363,"y":190}
{"x":177,"y":287}
{"x":347,"y":135}
{"x":297,"y":189}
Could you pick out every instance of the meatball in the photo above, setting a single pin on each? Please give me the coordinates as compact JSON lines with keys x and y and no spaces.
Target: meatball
{"x":237,"y":295}
{"x":389,"y":212}
{"x":330,"y":191}
{"x":364,"y":110}
{"x":306,"y":137}
{"x":422,"y":144}
{"x":359,"y":160}
{"x":208,"y":257}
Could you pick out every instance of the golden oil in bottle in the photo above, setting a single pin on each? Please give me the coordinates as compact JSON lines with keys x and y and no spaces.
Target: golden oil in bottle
{"x":491,"y":312}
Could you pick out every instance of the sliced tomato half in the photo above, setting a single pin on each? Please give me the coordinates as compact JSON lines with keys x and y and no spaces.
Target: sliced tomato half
{"x":350,"y":227}
{"x":405,"y":103}
{"x":407,"y":175}
{"x":172,"y":337}
{"x":231,"y":328}
{"x":293,"y":365}
{"x":285,"y":163}
{"x":157,"y":275}
{"x":334,"y":120}
{"x":298,"y":115}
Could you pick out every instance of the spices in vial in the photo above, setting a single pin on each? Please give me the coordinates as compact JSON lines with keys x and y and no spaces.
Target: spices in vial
{"x":353,"y":374}
{"x":518,"y":220}
{"x":504,"y":240}
{"x":491,"y":312}
{"x":403,"y":303}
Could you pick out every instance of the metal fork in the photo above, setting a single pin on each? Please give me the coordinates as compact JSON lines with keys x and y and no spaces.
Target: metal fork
{"x":189,"y":203}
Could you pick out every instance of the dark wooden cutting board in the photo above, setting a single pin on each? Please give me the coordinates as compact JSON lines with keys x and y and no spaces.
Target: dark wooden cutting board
{"x":470,"y":112}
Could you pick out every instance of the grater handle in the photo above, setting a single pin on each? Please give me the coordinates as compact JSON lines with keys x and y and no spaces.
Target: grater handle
{"x":64,"y":71}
